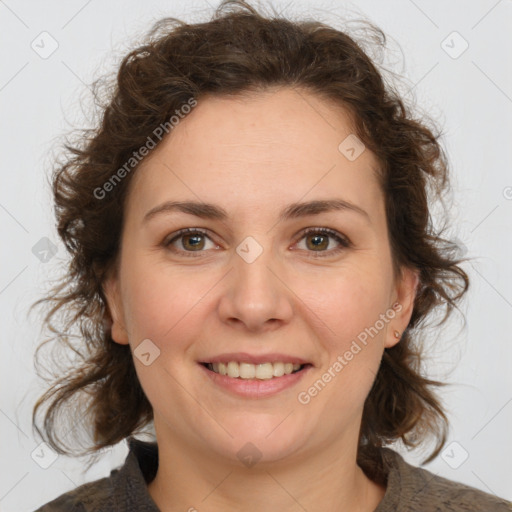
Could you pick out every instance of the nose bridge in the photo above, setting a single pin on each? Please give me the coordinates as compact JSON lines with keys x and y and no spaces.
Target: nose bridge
{"x":253,"y":278}
{"x":255,"y":295}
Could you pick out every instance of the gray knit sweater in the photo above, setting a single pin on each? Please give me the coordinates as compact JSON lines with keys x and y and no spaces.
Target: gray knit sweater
{"x":408,"y":489}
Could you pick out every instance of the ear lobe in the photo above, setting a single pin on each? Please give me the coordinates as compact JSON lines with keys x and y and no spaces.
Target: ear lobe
{"x":405,"y":297}
{"x":114,"y":305}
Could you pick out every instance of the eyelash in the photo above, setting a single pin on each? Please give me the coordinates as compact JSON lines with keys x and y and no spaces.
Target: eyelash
{"x":342,"y":240}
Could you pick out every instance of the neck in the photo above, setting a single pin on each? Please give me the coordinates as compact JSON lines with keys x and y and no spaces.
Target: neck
{"x":188,"y":479}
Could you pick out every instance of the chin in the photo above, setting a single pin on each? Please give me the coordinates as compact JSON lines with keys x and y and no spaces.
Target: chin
{"x":259,"y":438}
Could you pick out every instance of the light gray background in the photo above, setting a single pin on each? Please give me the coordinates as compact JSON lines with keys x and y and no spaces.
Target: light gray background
{"x":470,"y":95}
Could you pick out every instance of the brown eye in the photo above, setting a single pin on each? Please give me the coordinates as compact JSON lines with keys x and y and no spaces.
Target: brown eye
{"x":192,"y":241}
{"x":319,"y":240}
{"x":188,"y":241}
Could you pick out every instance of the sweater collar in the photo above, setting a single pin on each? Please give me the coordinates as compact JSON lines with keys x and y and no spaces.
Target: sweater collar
{"x":131,"y":480}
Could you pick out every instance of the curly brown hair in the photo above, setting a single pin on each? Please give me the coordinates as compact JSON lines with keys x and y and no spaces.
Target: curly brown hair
{"x":239,"y":51}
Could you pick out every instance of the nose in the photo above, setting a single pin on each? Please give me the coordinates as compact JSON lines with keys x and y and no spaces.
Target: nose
{"x":255,"y":296}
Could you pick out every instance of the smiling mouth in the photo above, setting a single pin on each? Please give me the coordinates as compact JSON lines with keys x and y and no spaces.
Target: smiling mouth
{"x":248,"y":371}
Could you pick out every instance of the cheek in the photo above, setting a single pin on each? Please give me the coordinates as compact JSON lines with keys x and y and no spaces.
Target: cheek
{"x":351,"y":356}
{"x":351,"y":307}
{"x":162,"y":305}
{"x":345,"y":314}
{"x":345,"y":303}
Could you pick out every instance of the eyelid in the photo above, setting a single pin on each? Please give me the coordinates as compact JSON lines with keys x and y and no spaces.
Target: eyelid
{"x":178,"y":234}
{"x":322,"y":230}
{"x":343,"y":240}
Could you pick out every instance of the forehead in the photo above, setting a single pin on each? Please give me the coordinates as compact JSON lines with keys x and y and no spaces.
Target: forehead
{"x":258,"y":151}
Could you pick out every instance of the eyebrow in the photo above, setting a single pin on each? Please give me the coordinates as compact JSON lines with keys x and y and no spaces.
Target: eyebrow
{"x":292,"y":211}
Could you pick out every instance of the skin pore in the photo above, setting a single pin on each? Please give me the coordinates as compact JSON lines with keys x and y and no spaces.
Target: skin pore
{"x":196,"y":298}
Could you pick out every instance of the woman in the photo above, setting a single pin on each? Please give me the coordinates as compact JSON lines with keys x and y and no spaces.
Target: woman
{"x":252,"y":263}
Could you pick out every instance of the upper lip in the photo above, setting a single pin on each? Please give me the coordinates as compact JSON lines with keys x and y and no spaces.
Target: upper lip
{"x":245,"y":357}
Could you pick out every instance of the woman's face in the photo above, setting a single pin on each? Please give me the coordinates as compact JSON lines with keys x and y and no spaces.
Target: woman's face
{"x":252,"y":287}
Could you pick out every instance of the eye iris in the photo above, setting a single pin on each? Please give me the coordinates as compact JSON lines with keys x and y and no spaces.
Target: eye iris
{"x":319,"y":245}
{"x":194,"y":245}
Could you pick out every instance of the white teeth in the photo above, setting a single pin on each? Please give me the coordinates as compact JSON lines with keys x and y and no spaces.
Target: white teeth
{"x":247,"y":371}
{"x":262,"y":371}
{"x":233,"y":369}
{"x":278,"y":369}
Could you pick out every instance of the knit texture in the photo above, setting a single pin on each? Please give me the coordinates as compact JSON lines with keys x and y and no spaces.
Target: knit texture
{"x":408,"y":489}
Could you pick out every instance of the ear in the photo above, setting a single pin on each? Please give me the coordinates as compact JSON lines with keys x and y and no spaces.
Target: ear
{"x":115,"y":307}
{"x":404,"y":295}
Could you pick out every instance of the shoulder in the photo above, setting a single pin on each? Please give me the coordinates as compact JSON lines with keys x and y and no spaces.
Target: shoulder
{"x":412,"y":488}
{"x":95,"y":495}
{"x":123,"y":491}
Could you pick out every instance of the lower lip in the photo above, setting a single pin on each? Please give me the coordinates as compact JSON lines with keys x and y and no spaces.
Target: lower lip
{"x":256,"y":388}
